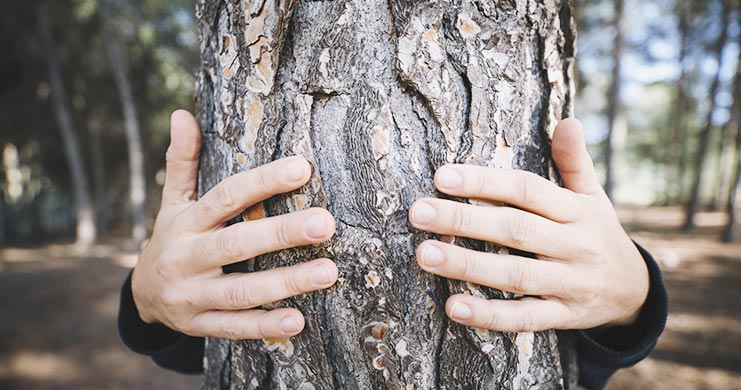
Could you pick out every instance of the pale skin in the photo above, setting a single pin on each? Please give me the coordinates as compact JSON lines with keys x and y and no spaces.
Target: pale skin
{"x":587,"y":273}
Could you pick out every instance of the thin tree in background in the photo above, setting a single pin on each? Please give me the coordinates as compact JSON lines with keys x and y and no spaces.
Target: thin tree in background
{"x":727,"y":145}
{"x":707,"y":130}
{"x":85,"y":213}
{"x":117,"y":57}
{"x":97,"y":151}
{"x":677,"y":160}
{"x":732,"y":232}
{"x":617,"y":131}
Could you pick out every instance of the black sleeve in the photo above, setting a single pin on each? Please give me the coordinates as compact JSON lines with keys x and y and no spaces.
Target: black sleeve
{"x":604,"y":350}
{"x":168,"y":348}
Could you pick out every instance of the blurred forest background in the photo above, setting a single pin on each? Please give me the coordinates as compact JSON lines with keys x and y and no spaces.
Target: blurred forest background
{"x":87,"y":87}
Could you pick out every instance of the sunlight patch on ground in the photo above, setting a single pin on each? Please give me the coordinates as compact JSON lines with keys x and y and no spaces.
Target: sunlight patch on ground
{"x":126,"y":260}
{"x":41,"y":366}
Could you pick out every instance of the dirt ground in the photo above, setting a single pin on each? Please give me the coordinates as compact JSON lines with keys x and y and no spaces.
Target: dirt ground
{"x":58,"y":315}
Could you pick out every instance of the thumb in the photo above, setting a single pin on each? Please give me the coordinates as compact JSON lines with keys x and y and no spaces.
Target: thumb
{"x":181,"y":176}
{"x":572,"y":159}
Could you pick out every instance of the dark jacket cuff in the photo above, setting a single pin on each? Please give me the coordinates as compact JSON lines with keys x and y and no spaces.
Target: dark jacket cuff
{"x":168,"y":348}
{"x":604,"y":350}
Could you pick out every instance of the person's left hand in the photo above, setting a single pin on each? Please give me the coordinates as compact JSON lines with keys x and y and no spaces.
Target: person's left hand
{"x":587,"y":273}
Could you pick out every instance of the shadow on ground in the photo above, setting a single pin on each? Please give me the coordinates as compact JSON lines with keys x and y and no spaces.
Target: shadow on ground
{"x":58,"y":311}
{"x":700,"y":347}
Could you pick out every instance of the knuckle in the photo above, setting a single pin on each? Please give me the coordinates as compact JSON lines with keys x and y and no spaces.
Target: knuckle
{"x":231,"y":330}
{"x":264,"y":183}
{"x":264,"y":327}
{"x":492,"y":322}
{"x":521,"y":278}
{"x":482,"y":181}
{"x":461,"y":219}
{"x":224,"y":193}
{"x":528,"y":188}
{"x":283,"y":231}
{"x":292,"y":284}
{"x":189,"y":327}
{"x":519,"y":231}
{"x":228,"y":244}
{"x":171,"y":299}
{"x":526,"y":321}
{"x":467,"y":266}
{"x":237,"y":295}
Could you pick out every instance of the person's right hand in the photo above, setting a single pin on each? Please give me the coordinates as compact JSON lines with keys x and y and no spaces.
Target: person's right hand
{"x":178,"y":279}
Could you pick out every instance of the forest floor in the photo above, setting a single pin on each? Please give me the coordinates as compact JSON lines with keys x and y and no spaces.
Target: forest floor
{"x":58,"y":314}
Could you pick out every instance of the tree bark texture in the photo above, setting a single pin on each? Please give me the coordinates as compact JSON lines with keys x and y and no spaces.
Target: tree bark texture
{"x":377,"y":95}
{"x":84,"y":210}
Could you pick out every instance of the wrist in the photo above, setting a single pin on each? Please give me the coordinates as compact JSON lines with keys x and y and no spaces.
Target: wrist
{"x":139,"y":302}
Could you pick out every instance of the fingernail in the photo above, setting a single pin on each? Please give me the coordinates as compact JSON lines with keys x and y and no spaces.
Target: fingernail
{"x":460,"y":311}
{"x":289,"y":325}
{"x":423,"y":213}
{"x":449,"y":178}
{"x":315,"y":227}
{"x":294,"y":171}
{"x":432,"y":256}
{"x":321,"y":275}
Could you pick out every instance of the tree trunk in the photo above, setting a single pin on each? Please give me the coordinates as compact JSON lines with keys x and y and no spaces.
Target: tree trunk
{"x":728,"y":146}
{"x":102,"y":206}
{"x":705,"y":134}
{"x":86,"y":229}
{"x":732,"y":231}
{"x":117,"y":57}
{"x":378,"y":95}
{"x":725,"y":164}
{"x":676,"y":161}
{"x":617,"y":131}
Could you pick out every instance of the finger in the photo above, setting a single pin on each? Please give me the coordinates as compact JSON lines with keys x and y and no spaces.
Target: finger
{"x":514,"y":274}
{"x":572,"y":159}
{"x":503,"y":225}
{"x":520,"y":188}
{"x":247,"y":324}
{"x":181,"y":173}
{"x":246,"y":240}
{"x":522,"y":315}
{"x":228,"y":198}
{"x":239,"y":291}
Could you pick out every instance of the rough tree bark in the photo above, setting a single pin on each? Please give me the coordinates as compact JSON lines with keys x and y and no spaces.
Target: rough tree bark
{"x":378,"y":94}
{"x":617,"y":131}
{"x":84,"y":210}
{"x":707,"y":130}
{"x":117,"y":57}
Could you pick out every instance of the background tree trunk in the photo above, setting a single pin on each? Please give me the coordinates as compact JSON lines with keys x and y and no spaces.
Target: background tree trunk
{"x":617,"y":131}
{"x":117,"y":57}
{"x":705,"y":135}
{"x":378,"y":95}
{"x":677,"y":158}
{"x":84,"y":210}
